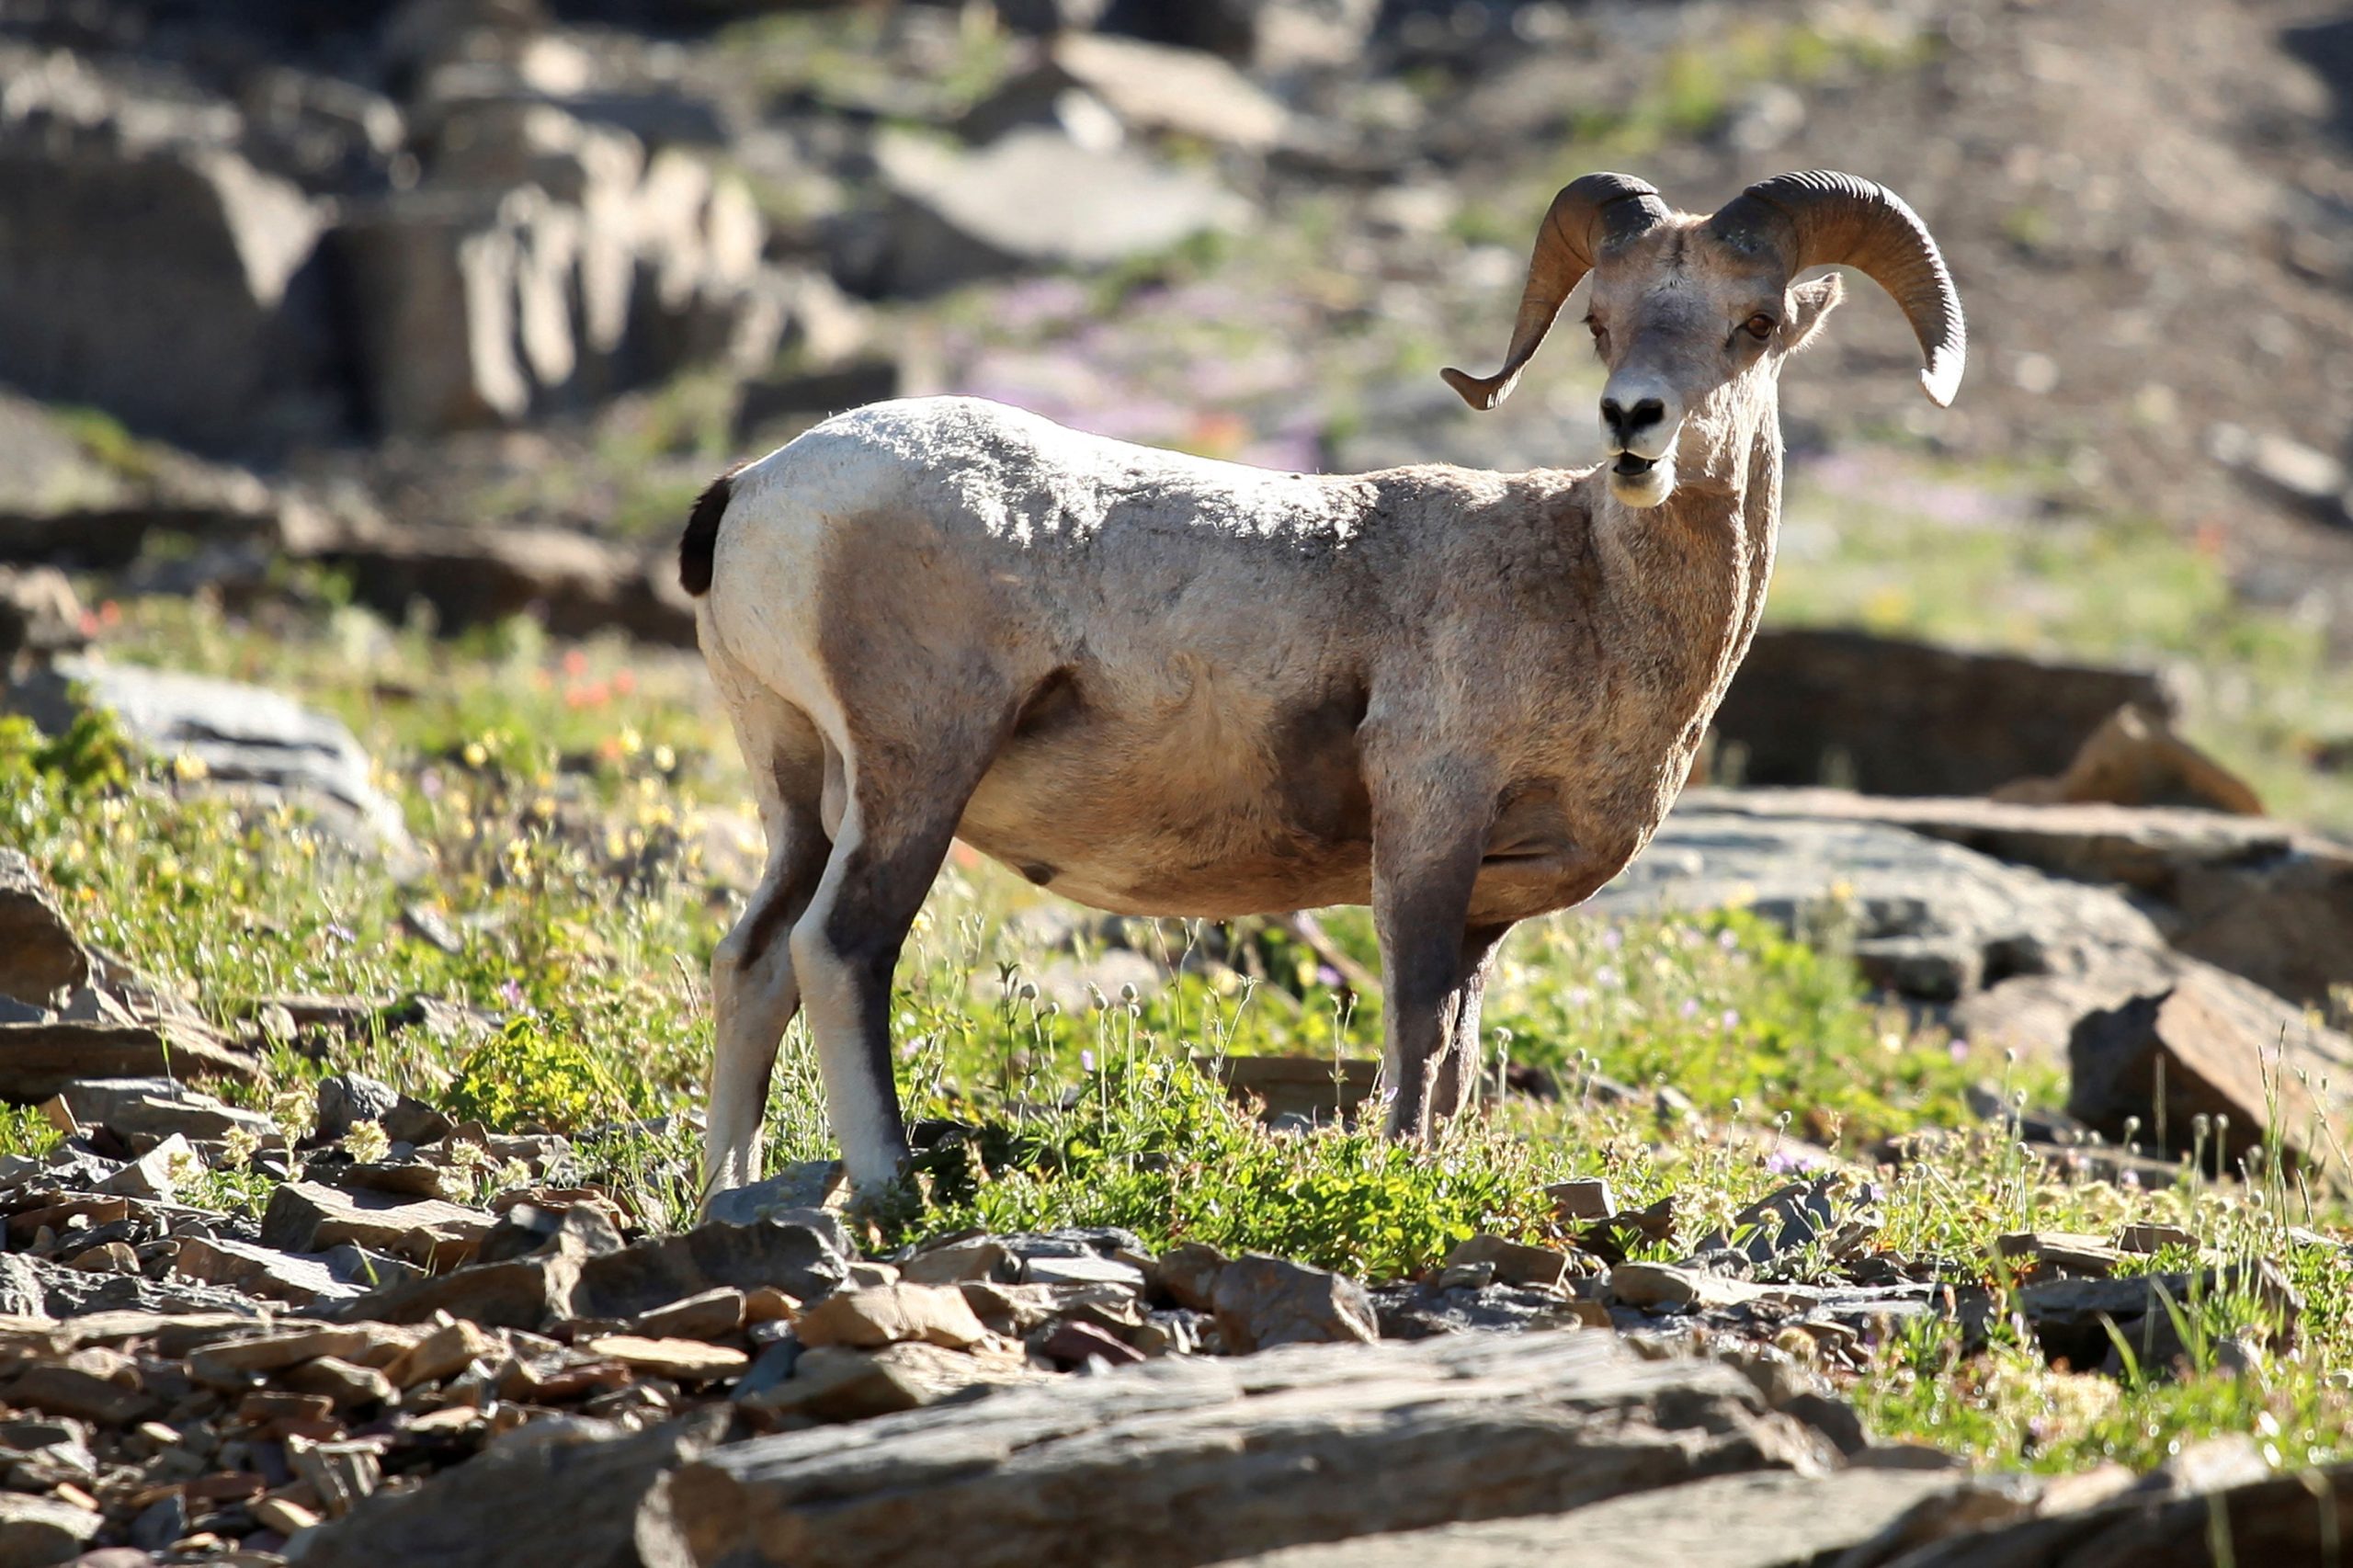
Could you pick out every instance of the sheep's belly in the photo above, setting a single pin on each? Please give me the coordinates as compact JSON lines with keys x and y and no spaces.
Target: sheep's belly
{"x":1160,"y":856}
{"x":1154,"y":834}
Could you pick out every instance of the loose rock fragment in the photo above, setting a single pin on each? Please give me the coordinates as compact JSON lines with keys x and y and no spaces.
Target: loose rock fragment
{"x":36,"y":1531}
{"x":1074,"y":1343}
{"x":309,"y":1217}
{"x":2057,"y":1253}
{"x":1264,"y":1301}
{"x":1582,"y":1198}
{"x":1663,"y":1284}
{"x":343,"y":1384}
{"x":690,"y":1360}
{"x":1512,"y":1263}
{"x":866,"y":1319}
{"x":444,"y":1352}
{"x":704,"y":1316}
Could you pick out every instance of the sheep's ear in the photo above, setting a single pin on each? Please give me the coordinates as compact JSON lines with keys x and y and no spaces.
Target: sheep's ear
{"x":1809,"y":306}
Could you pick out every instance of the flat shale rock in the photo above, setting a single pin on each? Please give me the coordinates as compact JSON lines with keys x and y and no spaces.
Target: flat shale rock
{"x":832,"y":1383}
{"x":553,"y":1495}
{"x":888,"y":1314}
{"x":156,"y":1107}
{"x":39,"y":1061}
{"x":534,"y":1291}
{"x":1771,"y":1519}
{"x":1180,"y":1462}
{"x":291,"y":1277}
{"x":308,"y":1217}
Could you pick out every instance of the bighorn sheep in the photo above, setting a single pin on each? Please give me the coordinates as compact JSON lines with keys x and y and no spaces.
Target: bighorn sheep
{"x":1160,"y":684}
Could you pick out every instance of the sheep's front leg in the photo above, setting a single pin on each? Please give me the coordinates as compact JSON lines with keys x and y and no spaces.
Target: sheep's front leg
{"x":1423,"y":872}
{"x":1458,"y":1073}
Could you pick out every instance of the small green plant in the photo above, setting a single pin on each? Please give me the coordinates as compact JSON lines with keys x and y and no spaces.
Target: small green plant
{"x":1156,"y":1147}
{"x":536,"y":1071}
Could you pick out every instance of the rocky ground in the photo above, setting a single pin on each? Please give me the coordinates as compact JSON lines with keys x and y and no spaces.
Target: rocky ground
{"x":1929,"y":1153}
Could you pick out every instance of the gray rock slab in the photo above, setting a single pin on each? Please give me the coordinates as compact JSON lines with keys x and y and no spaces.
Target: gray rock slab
{"x":1185,"y":1462}
{"x":1032,"y":197}
{"x":158,"y":1107}
{"x":34,"y":1286}
{"x":246,"y":736}
{"x":1773,"y":1520}
{"x":1898,"y":883}
{"x":2266,"y":900}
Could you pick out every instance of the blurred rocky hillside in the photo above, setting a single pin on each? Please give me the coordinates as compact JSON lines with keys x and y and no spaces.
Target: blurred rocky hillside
{"x":400,"y":270}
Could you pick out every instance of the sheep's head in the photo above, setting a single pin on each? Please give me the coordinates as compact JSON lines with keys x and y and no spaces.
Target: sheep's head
{"x":1683,"y":307}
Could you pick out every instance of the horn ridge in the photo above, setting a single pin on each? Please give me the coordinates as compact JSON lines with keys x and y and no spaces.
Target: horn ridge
{"x":1826,"y":218}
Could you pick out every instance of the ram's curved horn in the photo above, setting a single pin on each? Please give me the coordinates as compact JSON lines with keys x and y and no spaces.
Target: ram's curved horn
{"x":1589,"y":214}
{"x":1822,"y":218}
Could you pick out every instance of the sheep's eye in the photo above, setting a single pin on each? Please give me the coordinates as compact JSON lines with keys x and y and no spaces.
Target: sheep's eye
{"x":1600,"y":332}
{"x":1759,"y":326}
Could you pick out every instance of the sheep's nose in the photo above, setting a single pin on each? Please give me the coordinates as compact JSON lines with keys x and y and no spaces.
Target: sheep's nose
{"x":1624,"y":423}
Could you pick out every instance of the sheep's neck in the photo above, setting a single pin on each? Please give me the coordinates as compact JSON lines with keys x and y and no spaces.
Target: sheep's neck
{"x":1704,"y":558}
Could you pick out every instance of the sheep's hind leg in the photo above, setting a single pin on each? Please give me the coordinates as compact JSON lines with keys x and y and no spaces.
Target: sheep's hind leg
{"x":753,"y":988}
{"x":892,"y":839}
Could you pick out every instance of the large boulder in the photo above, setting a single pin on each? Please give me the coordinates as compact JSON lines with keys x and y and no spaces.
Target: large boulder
{"x":169,"y":285}
{"x":1902,"y":718}
{"x":2265,"y":899}
{"x":1031,"y":199}
{"x":483,"y":303}
{"x":2196,"y":1047}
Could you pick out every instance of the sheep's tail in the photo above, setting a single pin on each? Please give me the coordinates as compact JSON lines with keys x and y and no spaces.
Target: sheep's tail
{"x":701,"y":541}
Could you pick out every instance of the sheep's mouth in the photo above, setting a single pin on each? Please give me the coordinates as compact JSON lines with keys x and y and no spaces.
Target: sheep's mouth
{"x":1631,"y":466}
